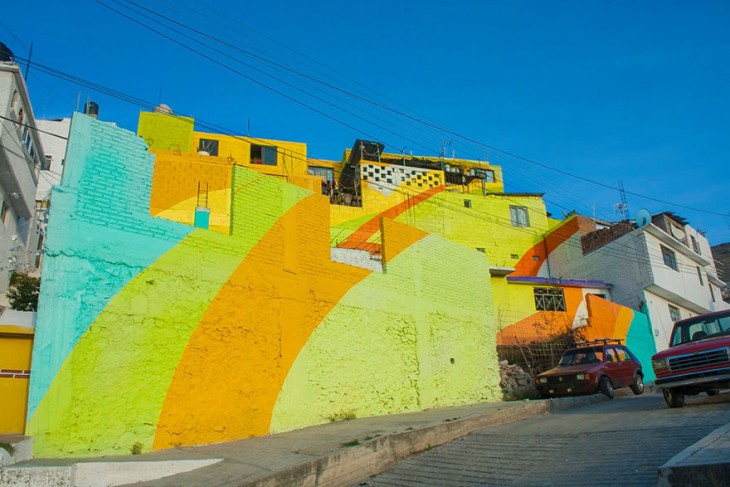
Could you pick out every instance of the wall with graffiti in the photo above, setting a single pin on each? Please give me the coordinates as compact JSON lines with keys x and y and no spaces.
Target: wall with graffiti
{"x":155,"y":333}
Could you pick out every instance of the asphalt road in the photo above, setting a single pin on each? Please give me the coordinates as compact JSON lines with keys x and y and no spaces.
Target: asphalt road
{"x":619,"y":442}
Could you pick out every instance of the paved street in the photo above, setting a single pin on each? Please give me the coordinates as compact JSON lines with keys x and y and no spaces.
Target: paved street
{"x":620,"y":442}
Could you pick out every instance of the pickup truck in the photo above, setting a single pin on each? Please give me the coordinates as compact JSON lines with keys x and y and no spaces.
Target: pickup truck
{"x":697,"y":360}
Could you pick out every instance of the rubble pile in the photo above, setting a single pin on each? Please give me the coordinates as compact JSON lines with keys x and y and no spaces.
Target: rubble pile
{"x":515,"y":382}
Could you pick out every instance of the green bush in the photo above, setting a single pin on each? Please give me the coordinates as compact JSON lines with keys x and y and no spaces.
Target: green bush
{"x":23,"y":292}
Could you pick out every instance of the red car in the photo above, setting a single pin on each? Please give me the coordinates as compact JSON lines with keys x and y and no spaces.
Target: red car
{"x":697,"y":360}
{"x":596,"y":366}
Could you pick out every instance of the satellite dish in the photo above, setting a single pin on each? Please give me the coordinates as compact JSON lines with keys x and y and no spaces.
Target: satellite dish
{"x":643,"y":218}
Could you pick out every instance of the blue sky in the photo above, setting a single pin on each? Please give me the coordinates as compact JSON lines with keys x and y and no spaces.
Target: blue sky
{"x":608,"y":91}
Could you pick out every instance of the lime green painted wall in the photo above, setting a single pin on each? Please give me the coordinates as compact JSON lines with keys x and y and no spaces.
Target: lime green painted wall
{"x":389,"y":343}
{"x":486,"y":224}
{"x":139,"y":337}
{"x":165,"y":132}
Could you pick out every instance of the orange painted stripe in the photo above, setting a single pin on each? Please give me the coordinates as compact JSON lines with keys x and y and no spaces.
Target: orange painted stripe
{"x":528,"y":266}
{"x":232,"y":371}
{"x":360,"y":236}
{"x":542,"y":324}
{"x":397,"y":237}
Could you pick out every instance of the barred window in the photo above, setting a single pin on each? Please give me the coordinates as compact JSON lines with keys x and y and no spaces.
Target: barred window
{"x":549,"y":299}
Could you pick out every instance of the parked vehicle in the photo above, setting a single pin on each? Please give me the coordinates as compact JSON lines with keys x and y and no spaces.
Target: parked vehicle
{"x":697,"y":360}
{"x":596,"y":366}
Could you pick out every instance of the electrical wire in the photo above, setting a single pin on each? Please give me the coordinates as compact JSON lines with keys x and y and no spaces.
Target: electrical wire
{"x":144,"y":103}
{"x":416,"y":119}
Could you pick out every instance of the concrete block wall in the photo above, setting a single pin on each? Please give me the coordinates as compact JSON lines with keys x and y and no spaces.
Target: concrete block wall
{"x":156,"y":334}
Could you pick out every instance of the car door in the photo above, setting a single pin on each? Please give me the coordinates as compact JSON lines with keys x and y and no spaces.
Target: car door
{"x":624,"y":367}
{"x":613,"y":369}
{"x":627,"y":364}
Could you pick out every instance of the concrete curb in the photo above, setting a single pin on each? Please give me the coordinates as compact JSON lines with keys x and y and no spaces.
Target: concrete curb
{"x":338,"y":464}
{"x":351,"y":465}
{"x":706,"y":462}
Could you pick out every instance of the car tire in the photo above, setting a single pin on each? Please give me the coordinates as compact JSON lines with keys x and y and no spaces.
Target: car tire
{"x":606,"y":387}
{"x":673,"y":397}
{"x":638,"y":386}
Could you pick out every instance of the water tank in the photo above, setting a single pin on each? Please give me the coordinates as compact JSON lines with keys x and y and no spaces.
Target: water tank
{"x":6,"y":55}
{"x":92,"y":109}
{"x":162,"y":108}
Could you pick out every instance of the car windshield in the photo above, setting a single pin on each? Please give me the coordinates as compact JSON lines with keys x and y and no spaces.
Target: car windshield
{"x":581,"y":356}
{"x":692,"y":331}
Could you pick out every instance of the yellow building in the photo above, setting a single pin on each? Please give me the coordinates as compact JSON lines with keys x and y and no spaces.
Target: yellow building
{"x":192,"y":175}
{"x":461,"y":200}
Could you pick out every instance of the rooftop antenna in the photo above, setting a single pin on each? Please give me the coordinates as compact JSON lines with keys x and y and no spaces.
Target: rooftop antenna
{"x":623,"y":207}
{"x":444,"y":146}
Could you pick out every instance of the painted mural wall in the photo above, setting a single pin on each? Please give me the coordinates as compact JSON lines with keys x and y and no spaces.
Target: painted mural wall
{"x":420,"y":198}
{"x":156,"y":333}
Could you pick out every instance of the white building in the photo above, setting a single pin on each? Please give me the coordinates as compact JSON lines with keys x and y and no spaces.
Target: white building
{"x":21,"y":160}
{"x":664,"y":269}
{"x":54,"y":137}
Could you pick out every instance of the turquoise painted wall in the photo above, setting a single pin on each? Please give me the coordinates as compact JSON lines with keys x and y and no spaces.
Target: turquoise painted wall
{"x":640,"y":341}
{"x":100,"y":223}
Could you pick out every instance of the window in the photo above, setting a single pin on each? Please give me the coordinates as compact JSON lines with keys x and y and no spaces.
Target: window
{"x":208,"y":145}
{"x":699,"y":274}
{"x":712,"y":292}
{"x":4,"y":213}
{"x":263,"y":154}
{"x":674,"y":313}
{"x":549,"y":299}
{"x":623,"y":355}
{"x":611,"y":355}
{"x":670,"y":259}
{"x":695,"y":245}
{"x":486,"y":175}
{"x":519,"y":216}
{"x":326,"y":173}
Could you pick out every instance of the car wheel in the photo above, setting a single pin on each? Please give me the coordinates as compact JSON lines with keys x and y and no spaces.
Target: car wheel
{"x":673,"y":397}
{"x":638,"y":386}
{"x":606,"y":387}
{"x":713,"y":392}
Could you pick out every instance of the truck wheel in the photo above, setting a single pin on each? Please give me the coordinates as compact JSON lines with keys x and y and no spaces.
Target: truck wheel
{"x":674,"y":397}
{"x":638,"y":386}
{"x":606,"y":387}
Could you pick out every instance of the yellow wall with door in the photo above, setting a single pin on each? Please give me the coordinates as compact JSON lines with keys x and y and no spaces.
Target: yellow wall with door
{"x":16,"y":343}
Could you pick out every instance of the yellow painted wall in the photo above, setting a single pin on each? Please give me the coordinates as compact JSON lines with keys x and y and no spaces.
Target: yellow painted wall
{"x":183,"y":182}
{"x":16,"y":344}
{"x":486,"y":224}
{"x":291,"y":156}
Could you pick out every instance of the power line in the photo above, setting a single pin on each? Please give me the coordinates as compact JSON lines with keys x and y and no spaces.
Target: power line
{"x":144,"y":103}
{"x":33,"y":128}
{"x":398,"y":112}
